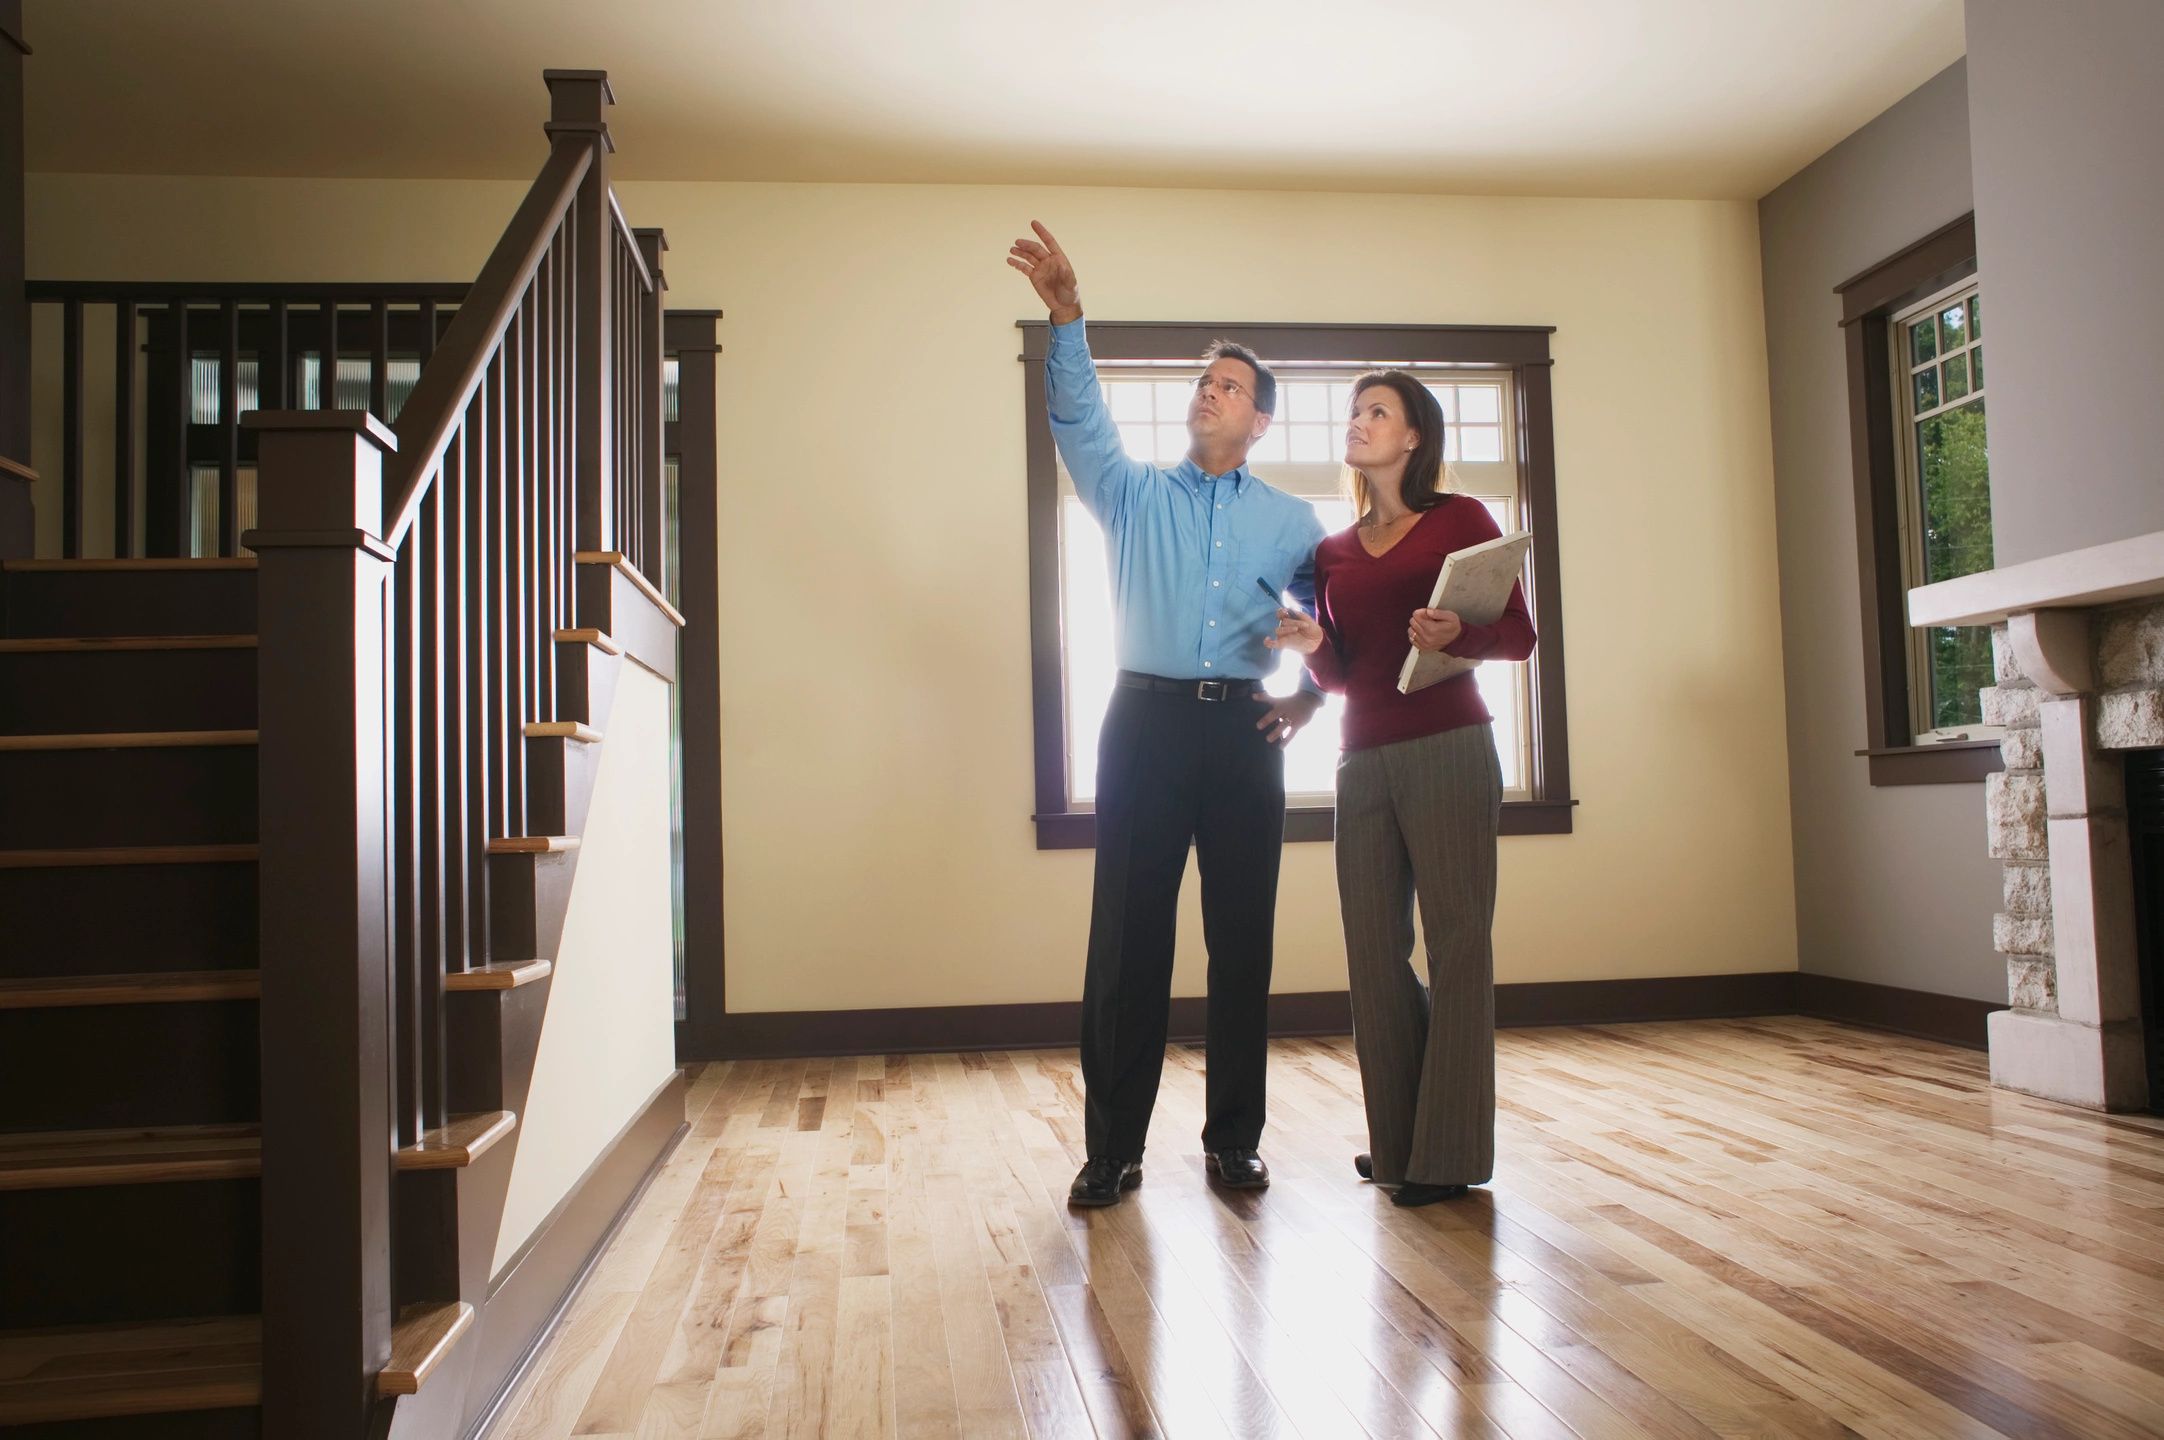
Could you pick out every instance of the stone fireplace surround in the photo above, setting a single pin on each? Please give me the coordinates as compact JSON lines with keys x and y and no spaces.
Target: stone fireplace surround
{"x":2078,"y":646}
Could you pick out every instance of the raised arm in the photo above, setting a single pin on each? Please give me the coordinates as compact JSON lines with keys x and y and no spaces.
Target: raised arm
{"x":1105,"y":476}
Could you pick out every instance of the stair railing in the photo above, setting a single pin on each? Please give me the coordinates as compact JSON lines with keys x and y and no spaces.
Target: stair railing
{"x":412,"y":590}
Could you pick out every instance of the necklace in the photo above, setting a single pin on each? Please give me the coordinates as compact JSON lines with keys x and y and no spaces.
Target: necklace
{"x":1373,"y":524}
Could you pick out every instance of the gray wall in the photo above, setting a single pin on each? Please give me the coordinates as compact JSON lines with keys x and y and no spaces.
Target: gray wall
{"x":2066,"y":119}
{"x":1892,"y":885}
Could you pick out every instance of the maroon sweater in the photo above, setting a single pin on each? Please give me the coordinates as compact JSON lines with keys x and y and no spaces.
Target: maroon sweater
{"x":1365,"y":602}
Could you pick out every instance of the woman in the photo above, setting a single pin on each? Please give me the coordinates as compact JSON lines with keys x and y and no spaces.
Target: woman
{"x":1419,"y":796}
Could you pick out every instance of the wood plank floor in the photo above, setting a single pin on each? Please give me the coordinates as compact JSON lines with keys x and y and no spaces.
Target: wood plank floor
{"x":1778,"y":1227}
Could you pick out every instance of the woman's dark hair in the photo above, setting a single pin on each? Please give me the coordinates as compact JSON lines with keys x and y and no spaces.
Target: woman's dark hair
{"x":1424,"y":478}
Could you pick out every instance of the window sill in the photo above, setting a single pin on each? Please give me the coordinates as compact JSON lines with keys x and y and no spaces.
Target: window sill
{"x":1953,"y":762}
{"x":1307,"y":823}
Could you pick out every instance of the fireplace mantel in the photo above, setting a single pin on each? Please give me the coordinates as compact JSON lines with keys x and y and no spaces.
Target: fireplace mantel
{"x":2078,"y":659}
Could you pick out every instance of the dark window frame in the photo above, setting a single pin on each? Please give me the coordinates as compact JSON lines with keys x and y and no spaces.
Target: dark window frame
{"x":1519,"y":349}
{"x":1869,"y":302}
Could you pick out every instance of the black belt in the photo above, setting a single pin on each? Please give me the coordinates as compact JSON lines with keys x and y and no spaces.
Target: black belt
{"x":1193,"y":689}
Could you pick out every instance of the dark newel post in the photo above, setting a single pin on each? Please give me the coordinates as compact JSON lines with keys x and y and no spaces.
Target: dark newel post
{"x":18,"y":528}
{"x":578,"y":107}
{"x":652,"y":245}
{"x":325,"y":896}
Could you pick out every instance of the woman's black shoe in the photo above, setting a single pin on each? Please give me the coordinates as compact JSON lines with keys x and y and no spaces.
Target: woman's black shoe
{"x":1365,"y":1164}
{"x":1413,"y":1193}
{"x":1102,"y":1182}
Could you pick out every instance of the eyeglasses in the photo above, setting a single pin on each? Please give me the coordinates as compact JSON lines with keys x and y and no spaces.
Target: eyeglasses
{"x":1232,"y":389}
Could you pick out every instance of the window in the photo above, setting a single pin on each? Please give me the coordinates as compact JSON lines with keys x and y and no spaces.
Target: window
{"x":1914,"y":331}
{"x":1945,"y":500}
{"x":1491,"y":385}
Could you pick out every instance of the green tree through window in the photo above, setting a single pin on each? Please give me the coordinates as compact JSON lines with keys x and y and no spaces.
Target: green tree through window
{"x":1955,"y":480}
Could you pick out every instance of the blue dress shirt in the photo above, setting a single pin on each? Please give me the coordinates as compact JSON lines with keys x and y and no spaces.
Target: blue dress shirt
{"x":1184,"y":548}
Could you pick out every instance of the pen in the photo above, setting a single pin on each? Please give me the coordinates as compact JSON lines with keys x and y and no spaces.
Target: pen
{"x":1275,"y":598}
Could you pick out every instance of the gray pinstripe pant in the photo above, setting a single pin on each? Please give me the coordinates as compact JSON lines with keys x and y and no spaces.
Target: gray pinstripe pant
{"x":1420,"y":817}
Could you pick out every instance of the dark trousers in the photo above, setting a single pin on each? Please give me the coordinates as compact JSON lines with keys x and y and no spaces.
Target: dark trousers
{"x":1174,"y":770}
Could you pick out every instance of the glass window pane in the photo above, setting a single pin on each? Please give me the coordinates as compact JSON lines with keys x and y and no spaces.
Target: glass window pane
{"x":1483,"y":442}
{"x":1960,"y":668}
{"x":202,"y":510}
{"x":311,"y":387}
{"x":1479,"y":402}
{"x":1172,"y":397}
{"x":1341,"y":400}
{"x":671,"y":401}
{"x":1128,"y":400}
{"x":1086,"y":602}
{"x":402,"y":373}
{"x":1500,"y":509}
{"x":1976,"y":316}
{"x":1923,"y":342}
{"x":1450,"y":444}
{"x":1270,"y":447}
{"x":1138,"y":441}
{"x":1448,"y":401}
{"x":1306,"y":400}
{"x":1976,"y":365}
{"x":1927,"y":388}
{"x":203,"y":381}
{"x":1171,"y":444}
{"x":1953,"y":327}
{"x":1954,"y":469}
{"x":1314,"y":443}
{"x":1500,"y":685}
{"x":1957,"y":377}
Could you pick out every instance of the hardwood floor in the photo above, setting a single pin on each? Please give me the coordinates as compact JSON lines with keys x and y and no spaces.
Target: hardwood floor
{"x":1777,"y":1227}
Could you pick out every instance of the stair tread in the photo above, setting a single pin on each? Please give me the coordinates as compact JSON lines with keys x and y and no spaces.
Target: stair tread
{"x":456,"y":1145}
{"x":532,"y":844}
{"x":58,"y":992}
{"x":505,"y":975}
{"x":423,"y":1335}
{"x":599,"y":639}
{"x":150,"y":1155}
{"x":84,"y":644}
{"x":112,"y":567}
{"x":563,"y":729}
{"x":129,"y":740}
{"x":616,"y":559}
{"x":96,"y":1372}
{"x":127,"y":855}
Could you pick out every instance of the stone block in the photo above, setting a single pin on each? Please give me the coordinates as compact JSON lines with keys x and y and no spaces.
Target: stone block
{"x":2078,"y":778}
{"x":2103,"y":1067}
{"x":2014,"y":816}
{"x":2021,"y":934}
{"x":2092,"y":912}
{"x":2129,"y":647}
{"x":2022,"y":749}
{"x":2005,"y":665}
{"x":2130,"y":720}
{"x":2031,"y":983}
{"x":2028,"y":890}
{"x":2012,"y":707}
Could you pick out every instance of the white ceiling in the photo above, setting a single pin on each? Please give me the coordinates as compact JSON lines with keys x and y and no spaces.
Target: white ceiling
{"x":1711,"y":98}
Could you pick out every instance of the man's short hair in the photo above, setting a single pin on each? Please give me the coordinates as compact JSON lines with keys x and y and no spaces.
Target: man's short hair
{"x":1265,"y":382}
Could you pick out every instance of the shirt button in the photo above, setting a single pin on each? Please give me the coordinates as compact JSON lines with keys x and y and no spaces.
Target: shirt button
{"x":1213,"y":624}
{"x":1220,"y":544}
{"x":1205,"y":664}
{"x":1214,"y":584}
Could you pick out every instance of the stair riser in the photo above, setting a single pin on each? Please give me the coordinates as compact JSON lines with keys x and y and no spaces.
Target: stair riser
{"x":585,"y":683}
{"x":43,"y":603}
{"x":112,"y":1253}
{"x":559,"y":784}
{"x":103,"y":1067}
{"x":527,"y":898}
{"x":112,"y":919}
{"x":64,"y":799}
{"x":103,"y":691}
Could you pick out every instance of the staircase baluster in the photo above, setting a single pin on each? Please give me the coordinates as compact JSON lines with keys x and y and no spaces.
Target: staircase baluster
{"x":72,"y":517}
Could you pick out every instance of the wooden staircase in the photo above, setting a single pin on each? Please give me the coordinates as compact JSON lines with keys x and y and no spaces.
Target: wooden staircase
{"x":130,"y":1156}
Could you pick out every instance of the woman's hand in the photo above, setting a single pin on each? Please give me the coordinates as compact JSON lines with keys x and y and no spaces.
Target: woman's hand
{"x":1431,"y":630}
{"x":1301,"y":634}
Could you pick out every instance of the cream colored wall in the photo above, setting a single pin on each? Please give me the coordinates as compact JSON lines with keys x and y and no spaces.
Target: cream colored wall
{"x":609,"y":1040}
{"x":875,"y":649}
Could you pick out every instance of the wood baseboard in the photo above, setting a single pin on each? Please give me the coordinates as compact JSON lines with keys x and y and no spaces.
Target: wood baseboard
{"x":532,"y":1292}
{"x":784,"y":1034}
{"x":1952,"y":1019}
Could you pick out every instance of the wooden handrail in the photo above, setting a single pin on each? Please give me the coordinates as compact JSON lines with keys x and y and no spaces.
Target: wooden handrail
{"x":434,"y":410}
{"x":19,"y":470}
{"x":631,"y":244}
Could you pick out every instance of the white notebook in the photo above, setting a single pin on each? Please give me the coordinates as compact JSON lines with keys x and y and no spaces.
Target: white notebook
{"x":1475,"y":582}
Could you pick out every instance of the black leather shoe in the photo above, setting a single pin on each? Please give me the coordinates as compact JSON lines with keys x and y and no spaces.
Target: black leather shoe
{"x":1365,"y":1164}
{"x":1102,"y":1182}
{"x":1412,"y":1193}
{"x":1237,"y":1169}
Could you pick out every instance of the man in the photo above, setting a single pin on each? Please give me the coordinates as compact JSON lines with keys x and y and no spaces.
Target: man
{"x":1192,"y":749}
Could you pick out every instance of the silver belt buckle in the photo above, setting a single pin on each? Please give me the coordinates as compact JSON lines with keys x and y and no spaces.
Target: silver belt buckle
{"x":1203,"y":689}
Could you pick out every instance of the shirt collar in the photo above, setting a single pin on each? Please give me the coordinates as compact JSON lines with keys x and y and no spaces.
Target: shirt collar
{"x":1195,"y":477}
